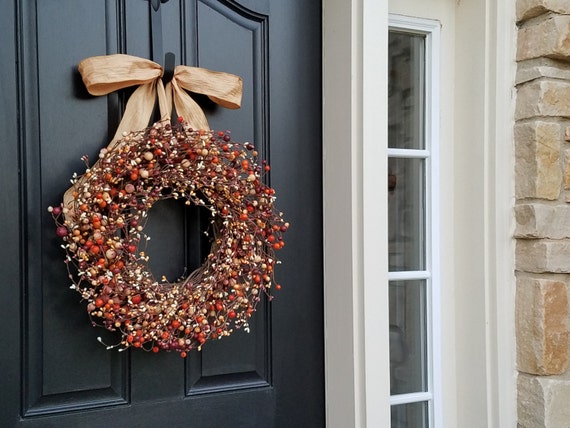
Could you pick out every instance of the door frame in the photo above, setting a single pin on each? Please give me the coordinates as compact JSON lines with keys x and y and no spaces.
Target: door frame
{"x":355,"y":225}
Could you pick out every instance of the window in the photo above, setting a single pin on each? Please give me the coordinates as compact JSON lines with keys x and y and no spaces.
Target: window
{"x":412,"y":222}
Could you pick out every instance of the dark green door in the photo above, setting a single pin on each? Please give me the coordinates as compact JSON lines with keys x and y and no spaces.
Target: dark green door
{"x":53,"y":371}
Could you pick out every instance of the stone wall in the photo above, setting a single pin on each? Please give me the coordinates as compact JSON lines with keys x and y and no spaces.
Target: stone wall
{"x":542,"y":212}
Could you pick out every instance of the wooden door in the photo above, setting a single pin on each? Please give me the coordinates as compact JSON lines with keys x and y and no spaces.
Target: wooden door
{"x":54,"y":372}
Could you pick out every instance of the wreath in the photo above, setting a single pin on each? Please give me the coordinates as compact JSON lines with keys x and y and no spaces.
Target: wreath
{"x":102,"y":227}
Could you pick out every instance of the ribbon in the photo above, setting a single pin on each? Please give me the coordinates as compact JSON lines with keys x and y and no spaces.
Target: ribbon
{"x":105,"y":74}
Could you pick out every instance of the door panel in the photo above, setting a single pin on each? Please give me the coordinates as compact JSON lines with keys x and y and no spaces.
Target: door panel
{"x":57,"y":373}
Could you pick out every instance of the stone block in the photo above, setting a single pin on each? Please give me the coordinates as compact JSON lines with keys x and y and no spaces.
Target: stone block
{"x":530,"y":403}
{"x":542,"y":256}
{"x":527,"y":9}
{"x":566,"y":167}
{"x":537,"y":68}
{"x":541,"y":326}
{"x":543,"y":97}
{"x":538,"y":173}
{"x":547,"y":37}
{"x":537,"y":220}
{"x":543,"y":401}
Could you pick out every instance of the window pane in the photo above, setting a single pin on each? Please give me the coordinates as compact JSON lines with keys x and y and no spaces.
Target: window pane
{"x":406,"y":91}
{"x":413,"y":415}
{"x":408,"y":347}
{"x":406,"y":214}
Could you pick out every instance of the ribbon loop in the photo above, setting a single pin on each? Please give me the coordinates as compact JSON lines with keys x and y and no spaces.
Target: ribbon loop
{"x":222,"y":88}
{"x":105,"y":74}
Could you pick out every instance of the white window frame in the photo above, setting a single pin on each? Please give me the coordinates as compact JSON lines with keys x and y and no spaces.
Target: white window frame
{"x":430,"y":29}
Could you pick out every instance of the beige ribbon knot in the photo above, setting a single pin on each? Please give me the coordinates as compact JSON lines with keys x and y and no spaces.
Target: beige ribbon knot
{"x":105,"y":74}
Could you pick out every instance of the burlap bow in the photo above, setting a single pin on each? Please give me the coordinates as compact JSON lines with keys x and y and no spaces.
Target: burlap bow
{"x":105,"y":74}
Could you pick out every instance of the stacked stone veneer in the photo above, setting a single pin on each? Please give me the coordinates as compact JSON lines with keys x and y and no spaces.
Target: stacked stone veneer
{"x":542,"y":211}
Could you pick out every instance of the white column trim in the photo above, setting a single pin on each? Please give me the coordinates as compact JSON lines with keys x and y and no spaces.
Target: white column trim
{"x":375,"y":210}
{"x":356,"y":324}
{"x":499,"y":198}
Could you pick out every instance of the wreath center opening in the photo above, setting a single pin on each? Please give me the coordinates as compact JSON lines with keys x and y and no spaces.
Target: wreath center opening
{"x":181,"y":239}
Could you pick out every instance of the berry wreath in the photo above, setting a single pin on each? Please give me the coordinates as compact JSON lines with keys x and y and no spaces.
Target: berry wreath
{"x":103,"y":234}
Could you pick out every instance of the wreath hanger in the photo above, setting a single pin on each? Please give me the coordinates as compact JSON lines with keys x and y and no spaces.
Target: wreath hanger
{"x":156,"y":34}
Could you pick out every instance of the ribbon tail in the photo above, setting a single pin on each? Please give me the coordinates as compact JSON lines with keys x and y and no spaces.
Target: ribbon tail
{"x":189,"y":109}
{"x":138,"y":111}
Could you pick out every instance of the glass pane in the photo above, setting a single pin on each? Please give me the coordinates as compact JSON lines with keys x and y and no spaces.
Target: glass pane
{"x":408,"y":337}
{"x":406,"y":214}
{"x":413,"y":415}
{"x":406,"y":91}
